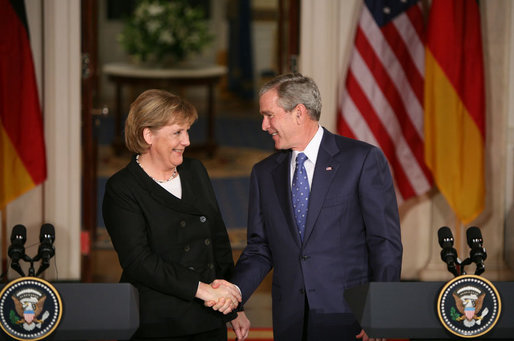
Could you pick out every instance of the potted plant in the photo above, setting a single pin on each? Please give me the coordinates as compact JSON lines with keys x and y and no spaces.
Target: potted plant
{"x":163,"y":32}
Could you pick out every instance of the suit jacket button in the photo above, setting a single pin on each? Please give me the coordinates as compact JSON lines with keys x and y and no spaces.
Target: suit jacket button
{"x":302,"y":291}
{"x":207,"y":241}
{"x":210,"y":266}
{"x":191,"y":268}
{"x":182,"y":223}
{"x":203,"y":219}
{"x":187,"y":248}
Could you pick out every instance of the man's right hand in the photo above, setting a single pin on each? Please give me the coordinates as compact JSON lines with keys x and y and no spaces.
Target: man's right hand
{"x":221,"y":295}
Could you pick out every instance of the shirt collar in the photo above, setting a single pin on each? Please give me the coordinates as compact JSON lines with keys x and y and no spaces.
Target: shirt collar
{"x":312,"y":148}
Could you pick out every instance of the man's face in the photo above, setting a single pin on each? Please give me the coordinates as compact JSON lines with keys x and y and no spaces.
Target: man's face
{"x":280,"y":124}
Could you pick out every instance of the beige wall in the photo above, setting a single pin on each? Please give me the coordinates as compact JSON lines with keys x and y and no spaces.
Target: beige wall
{"x":327,"y":36}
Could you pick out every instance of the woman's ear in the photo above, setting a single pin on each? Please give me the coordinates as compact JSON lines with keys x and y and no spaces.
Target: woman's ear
{"x":147,"y":135}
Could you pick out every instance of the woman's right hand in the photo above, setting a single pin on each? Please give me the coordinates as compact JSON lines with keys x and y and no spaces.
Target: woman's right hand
{"x":221,"y":295}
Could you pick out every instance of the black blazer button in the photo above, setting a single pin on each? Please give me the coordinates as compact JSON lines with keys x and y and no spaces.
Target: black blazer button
{"x":203,"y":219}
{"x":207,"y":242}
{"x":187,"y":248}
{"x":182,"y":223}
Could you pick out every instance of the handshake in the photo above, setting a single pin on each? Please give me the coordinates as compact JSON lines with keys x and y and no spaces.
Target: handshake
{"x":220,"y":295}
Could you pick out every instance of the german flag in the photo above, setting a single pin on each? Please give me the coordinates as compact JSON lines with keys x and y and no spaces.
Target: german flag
{"x":455,"y":105}
{"x":22,"y":147}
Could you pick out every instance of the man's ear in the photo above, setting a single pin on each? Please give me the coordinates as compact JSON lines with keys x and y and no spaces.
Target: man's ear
{"x":301,"y":113}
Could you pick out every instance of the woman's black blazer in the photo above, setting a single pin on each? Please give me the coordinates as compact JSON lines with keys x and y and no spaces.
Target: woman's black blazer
{"x":166,"y":245}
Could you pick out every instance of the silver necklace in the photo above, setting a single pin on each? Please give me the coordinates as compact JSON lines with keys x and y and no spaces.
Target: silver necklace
{"x":173,"y":175}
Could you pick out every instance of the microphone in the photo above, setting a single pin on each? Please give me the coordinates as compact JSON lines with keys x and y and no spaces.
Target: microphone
{"x":17,"y":248}
{"x":477,"y":253}
{"x":448,"y":252}
{"x":46,"y":248}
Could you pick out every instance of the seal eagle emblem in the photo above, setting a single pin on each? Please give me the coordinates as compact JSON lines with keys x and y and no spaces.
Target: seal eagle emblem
{"x":29,"y":305}
{"x":469,"y":306}
{"x":469,"y":301}
{"x":30,"y":309}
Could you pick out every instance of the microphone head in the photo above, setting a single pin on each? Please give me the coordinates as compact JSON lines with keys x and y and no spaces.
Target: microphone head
{"x":47,"y":233}
{"x":474,"y":237}
{"x":19,"y":234}
{"x":445,"y":237}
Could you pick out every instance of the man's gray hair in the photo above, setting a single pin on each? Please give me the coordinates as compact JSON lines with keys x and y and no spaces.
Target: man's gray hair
{"x":294,"y":89}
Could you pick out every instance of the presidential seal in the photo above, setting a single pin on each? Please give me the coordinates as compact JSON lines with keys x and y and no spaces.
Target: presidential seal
{"x":469,"y":306}
{"x":30,"y":309}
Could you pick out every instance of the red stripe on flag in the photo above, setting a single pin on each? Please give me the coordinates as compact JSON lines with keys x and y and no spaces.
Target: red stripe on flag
{"x":342,"y":126}
{"x":416,"y":18}
{"x":387,"y":86}
{"x":402,"y":55}
{"x":383,"y":139}
{"x":390,"y":99}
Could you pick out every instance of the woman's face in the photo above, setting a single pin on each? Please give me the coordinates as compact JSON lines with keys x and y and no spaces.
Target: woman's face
{"x":167,"y":144}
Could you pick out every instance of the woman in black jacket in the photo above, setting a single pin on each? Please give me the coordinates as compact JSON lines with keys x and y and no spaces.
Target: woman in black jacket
{"x":166,"y":227}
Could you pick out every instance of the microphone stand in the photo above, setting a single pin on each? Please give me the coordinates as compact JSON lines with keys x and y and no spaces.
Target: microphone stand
{"x":464,"y":263}
{"x":31,"y":268}
{"x":43,"y":266}
{"x":16,"y":267}
{"x":32,"y":272}
{"x":479,"y":269}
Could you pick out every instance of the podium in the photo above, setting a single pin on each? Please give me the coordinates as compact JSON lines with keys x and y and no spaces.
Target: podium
{"x":408,"y":310}
{"x":95,"y":311}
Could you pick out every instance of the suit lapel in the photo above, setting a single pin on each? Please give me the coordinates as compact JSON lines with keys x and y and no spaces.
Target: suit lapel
{"x":324,"y":173}
{"x":281,"y":179}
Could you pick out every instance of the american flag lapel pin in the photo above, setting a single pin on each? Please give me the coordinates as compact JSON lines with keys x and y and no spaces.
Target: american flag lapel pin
{"x":329,"y":168}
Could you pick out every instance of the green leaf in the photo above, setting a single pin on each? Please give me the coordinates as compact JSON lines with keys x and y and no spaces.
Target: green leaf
{"x":13,"y":317}
{"x":453,"y":312}
{"x":159,"y":29}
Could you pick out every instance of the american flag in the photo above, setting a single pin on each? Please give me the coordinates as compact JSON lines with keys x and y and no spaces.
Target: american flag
{"x":381,"y":101}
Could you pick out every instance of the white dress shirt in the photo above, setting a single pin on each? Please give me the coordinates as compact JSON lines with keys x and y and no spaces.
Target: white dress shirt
{"x":311,"y":151}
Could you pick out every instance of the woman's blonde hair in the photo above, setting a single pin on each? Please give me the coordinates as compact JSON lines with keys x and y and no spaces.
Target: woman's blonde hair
{"x":155,"y":109}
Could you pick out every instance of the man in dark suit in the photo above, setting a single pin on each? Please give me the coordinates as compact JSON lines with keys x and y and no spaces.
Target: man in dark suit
{"x":324,"y":222}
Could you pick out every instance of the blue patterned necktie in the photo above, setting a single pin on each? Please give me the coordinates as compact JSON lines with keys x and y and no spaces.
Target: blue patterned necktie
{"x":300,"y":193}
